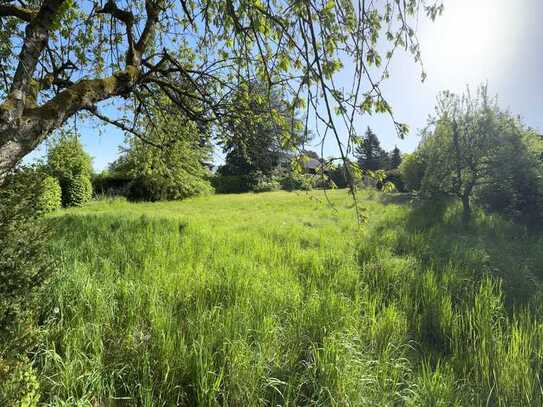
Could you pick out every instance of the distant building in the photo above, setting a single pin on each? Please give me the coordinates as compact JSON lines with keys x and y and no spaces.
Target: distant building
{"x":312,"y":166}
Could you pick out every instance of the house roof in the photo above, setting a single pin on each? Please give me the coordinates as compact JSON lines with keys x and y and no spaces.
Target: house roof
{"x":312,"y":164}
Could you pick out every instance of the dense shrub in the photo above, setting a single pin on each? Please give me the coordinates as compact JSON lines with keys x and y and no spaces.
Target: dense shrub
{"x":412,"y":171}
{"x":111,"y":184}
{"x":297,"y":182}
{"x":50,"y":198}
{"x":72,"y":166}
{"x":266,"y":184}
{"x":338,"y":175}
{"x":232,"y":184}
{"x":24,"y":267}
{"x":155,"y":188}
{"x":395,"y":177}
{"x":78,"y":191}
{"x":514,"y":184}
{"x":322,"y":182}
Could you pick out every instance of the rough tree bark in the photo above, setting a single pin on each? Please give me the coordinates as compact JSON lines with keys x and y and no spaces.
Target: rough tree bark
{"x":24,"y":124}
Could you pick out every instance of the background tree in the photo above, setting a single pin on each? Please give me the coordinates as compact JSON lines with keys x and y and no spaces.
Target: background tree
{"x":515,"y":175}
{"x":412,"y":170}
{"x":72,"y":166}
{"x":61,"y":58}
{"x":395,"y":158}
{"x":473,"y":149}
{"x":258,"y":139}
{"x":369,"y":154}
{"x":169,"y":163}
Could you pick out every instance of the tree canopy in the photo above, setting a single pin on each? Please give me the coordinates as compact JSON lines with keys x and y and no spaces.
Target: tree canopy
{"x":170,"y":163}
{"x":63,"y":58}
{"x":259,"y":141}
{"x":474,"y":149}
{"x":369,"y":153}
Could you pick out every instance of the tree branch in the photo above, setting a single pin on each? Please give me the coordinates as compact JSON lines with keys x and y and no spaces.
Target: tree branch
{"x":152,"y":9}
{"x":23,"y":13}
{"x":37,"y":34}
{"x":127,"y":18}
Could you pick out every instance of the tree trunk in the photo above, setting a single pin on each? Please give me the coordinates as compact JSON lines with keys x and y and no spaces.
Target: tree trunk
{"x":21,"y":133}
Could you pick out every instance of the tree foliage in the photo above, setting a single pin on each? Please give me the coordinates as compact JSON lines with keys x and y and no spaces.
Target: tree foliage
{"x":50,"y":198}
{"x":257,"y":140}
{"x":63,"y":58}
{"x":169,"y":163}
{"x":412,"y":171}
{"x":78,"y":190}
{"x":369,"y":153}
{"x":473,"y":149}
{"x":68,"y":161}
{"x":24,"y":267}
{"x":395,"y":158}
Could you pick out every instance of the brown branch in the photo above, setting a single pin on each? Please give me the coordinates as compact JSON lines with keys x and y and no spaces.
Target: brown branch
{"x":37,"y":34}
{"x":23,"y":13}
{"x":152,"y":9}
{"x":127,"y":18}
{"x":117,"y":123}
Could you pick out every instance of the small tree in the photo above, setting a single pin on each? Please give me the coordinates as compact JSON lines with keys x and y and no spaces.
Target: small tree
{"x":457,"y":144}
{"x":474,"y":149}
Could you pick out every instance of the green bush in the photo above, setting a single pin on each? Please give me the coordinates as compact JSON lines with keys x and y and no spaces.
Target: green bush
{"x":68,"y":162}
{"x":297,"y":182}
{"x":412,"y":171}
{"x":339,"y":177}
{"x":24,"y":267}
{"x":266,"y":185}
{"x":157,"y":188}
{"x":111,"y":184}
{"x":78,"y":191}
{"x":232,"y":184}
{"x":322,"y":182}
{"x":50,"y":198}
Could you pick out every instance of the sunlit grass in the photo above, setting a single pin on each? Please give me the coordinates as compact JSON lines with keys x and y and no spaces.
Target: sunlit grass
{"x":280,"y":299}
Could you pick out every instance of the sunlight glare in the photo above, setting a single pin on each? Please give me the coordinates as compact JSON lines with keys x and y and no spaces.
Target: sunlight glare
{"x":470,"y":40}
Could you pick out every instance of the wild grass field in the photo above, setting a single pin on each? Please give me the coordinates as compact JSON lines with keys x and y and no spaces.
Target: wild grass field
{"x":279,"y":299}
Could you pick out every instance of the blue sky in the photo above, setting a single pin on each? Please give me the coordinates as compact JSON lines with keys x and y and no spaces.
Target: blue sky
{"x":475,"y":41}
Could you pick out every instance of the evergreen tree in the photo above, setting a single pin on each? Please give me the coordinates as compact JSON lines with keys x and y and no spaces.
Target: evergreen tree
{"x":395,"y":158}
{"x":369,"y":154}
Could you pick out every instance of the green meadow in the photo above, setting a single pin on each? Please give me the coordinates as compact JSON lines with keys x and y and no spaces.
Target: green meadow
{"x":282,"y":299}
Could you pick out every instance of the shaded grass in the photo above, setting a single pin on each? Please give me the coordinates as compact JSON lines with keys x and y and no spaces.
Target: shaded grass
{"x":276,"y":299}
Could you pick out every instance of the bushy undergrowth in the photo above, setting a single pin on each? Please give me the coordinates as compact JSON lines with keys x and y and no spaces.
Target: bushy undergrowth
{"x":276,"y":299}
{"x":50,"y":198}
{"x":24,"y":266}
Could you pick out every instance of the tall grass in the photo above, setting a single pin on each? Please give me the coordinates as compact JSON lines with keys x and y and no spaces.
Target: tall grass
{"x":278,"y":299}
